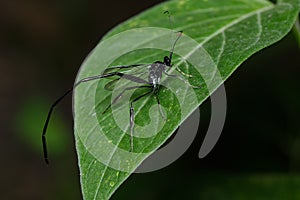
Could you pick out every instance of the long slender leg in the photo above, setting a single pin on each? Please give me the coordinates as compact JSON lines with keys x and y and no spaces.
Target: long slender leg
{"x":132,"y":118}
{"x":47,"y":122}
{"x":159,"y":105}
{"x":182,"y":79}
{"x":128,"y":77}
{"x":181,"y":72}
{"x":121,"y":94}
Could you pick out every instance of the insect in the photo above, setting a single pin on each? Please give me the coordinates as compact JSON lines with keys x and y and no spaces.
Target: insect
{"x":155,"y":73}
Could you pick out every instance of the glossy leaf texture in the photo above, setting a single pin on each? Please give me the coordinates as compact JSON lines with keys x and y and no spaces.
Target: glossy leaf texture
{"x":225,"y":34}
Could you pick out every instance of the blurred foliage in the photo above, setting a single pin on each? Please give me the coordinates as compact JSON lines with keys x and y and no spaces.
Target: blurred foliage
{"x":30,"y":120}
{"x":211,"y":186}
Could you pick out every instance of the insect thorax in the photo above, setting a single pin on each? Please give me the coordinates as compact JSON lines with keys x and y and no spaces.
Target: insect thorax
{"x":155,"y":73}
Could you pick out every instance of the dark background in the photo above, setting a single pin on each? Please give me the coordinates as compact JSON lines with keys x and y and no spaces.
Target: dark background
{"x":42,"y":45}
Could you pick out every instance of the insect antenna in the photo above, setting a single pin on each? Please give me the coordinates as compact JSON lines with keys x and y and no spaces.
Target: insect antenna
{"x":170,"y":27}
{"x":170,"y":20}
{"x":179,"y":35}
{"x":173,"y":46}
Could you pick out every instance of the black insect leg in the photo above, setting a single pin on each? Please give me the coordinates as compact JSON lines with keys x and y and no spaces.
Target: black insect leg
{"x":159,"y":105}
{"x":44,"y":142}
{"x":128,"y":77}
{"x":132,"y":117}
{"x":121,"y":94}
{"x":47,"y":122}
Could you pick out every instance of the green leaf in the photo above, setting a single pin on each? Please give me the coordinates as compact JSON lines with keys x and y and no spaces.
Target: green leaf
{"x":224,"y":33}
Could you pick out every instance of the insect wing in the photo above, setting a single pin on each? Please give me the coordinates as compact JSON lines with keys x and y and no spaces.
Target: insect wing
{"x":111,"y":84}
{"x":136,"y":70}
{"x":124,"y":68}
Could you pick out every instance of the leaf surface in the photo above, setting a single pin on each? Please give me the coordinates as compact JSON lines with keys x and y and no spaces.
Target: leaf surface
{"x":225,"y":33}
